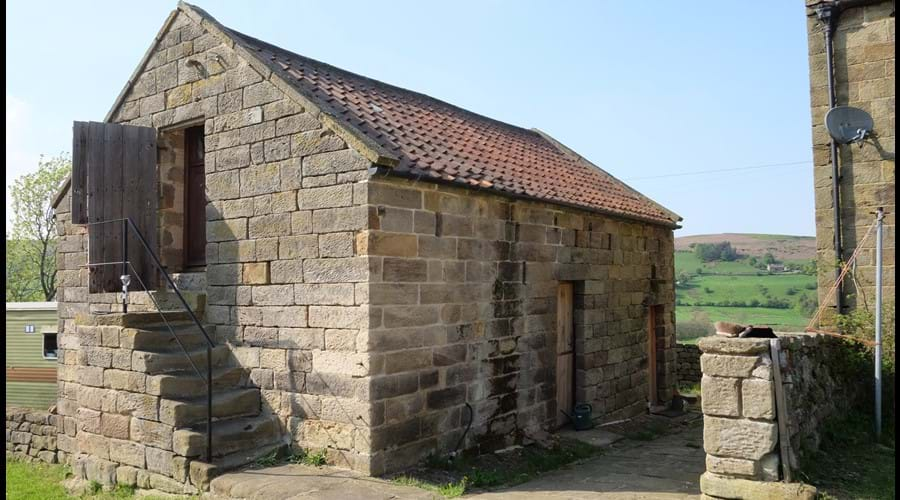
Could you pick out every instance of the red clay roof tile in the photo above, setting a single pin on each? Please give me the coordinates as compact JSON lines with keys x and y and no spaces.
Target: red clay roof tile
{"x":437,"y":140}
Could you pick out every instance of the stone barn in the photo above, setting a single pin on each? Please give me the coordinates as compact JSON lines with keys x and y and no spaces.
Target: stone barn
{"x":382,"y":275}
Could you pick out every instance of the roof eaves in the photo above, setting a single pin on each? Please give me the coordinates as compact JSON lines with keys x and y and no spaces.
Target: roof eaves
{"x":61,"y":193}
{"x":354,"y":137}
{"x":405,"y":174}
{"x":584,"y":161}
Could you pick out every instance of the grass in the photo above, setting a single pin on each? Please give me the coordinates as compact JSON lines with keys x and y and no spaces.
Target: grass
{"x":689,"y":389}
{"x":305,"y":457}
{"x":779,"y":319}
{"x":448,"y":490}
{"x":716,"y":288}
{"x":452,"y":478}
{"x":41,"y":481}
{"x":850,"y":464}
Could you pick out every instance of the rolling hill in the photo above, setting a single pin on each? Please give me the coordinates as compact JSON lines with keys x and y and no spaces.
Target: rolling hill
{"x":741,"y":290}
{"x":783,"y":247}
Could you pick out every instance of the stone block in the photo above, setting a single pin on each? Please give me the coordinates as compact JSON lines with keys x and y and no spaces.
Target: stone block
{"x":298,"y":247}
{"x":324,"y":294}
{"x":343,"y":270}
{"x":336,"y":245}
{"x":127,"y":452}
{"x":256,"y":273}
{"x":115,"y":426}
{"x":155,"y":434}
{"x":720,"y":396}
{"x":338,"y":317}
{"x":723,"y":345}
{"x":730,"y":466}
{"x":270,"y":225}
{"x":757,"y":399}
{"x":722,"y":365}
{"x":718,"y":486}
{"x":273,"y":295}
{"x":738,"y":438}
{"x":325,"y":197}
{"x":334,"y":162}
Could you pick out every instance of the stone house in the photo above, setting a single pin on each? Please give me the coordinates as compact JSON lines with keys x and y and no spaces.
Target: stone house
{"x":385,"y":276}
{"x":863,"y":77}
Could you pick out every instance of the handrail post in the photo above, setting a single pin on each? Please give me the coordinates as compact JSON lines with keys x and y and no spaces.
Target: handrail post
{"x":209,"y":389}
{"x":124,"y":265}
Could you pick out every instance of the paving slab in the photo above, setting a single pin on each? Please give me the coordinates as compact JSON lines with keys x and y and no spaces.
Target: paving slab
{"x":288,"y":482}
{"x":666,"y":468}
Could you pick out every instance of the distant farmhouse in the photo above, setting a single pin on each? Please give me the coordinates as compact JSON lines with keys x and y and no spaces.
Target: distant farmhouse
{"x":775,"y":268}
{"x":863,"y":47}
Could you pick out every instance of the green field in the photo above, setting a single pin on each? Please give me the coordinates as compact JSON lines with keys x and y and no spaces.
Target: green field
{"x":712,"y":284}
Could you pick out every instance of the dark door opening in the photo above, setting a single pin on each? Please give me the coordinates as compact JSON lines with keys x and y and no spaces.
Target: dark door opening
{"x":195,"y":198}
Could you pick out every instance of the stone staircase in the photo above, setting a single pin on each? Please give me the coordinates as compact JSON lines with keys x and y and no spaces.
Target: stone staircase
{"x":241,"y":432}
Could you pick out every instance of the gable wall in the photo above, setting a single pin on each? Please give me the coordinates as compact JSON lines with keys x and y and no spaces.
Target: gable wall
{"x":284,"y":287}
{"x":463,"y":298}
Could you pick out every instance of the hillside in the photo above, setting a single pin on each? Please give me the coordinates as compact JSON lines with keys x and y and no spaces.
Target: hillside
{"x":783,"y":247}
{"x":742,"y":290}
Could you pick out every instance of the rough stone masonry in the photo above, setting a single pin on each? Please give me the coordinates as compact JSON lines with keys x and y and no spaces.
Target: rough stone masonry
{"x":864,"y":78}
{"x":370,"y":312}
{"x":741,"y":432}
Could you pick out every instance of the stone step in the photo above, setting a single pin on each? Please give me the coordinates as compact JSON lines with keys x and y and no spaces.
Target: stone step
{"x":203,"y":473}
{"x":131,"y":319}
{"x":159,"y":338}
{"x":225,"y":404}
{"x":154,"y":363}
{"x":168,"y":300}
{"x":185,"y":384}
{"x":229,"y":436}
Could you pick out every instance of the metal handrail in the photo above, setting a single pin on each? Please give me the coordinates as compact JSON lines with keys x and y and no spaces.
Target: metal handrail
{"x":126,"y":223}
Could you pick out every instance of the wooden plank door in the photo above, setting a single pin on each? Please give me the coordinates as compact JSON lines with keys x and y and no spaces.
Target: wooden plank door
{"x":565,"y":352}
{"x":114,"y":176}
{"x":652,"y":395}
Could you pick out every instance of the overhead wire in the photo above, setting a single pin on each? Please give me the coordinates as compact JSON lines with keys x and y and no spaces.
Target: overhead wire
{"x":721,"y":170}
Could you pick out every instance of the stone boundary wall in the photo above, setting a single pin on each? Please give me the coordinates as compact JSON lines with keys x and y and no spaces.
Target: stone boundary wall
{"x":741,"y":431}
{"x":31,"y":435}
{"x":687,"y":362}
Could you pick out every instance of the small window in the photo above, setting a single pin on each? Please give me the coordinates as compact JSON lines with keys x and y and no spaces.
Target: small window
{"x":49,"y":346}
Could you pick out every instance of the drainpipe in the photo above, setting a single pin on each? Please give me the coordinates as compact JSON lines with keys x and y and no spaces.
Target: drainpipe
{"x":828,"y":14}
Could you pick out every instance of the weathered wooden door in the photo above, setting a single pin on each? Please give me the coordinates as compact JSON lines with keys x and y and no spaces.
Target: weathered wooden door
{"x":565,"y":352}
{"x":114,"y":176}
{"x":652,"y":380}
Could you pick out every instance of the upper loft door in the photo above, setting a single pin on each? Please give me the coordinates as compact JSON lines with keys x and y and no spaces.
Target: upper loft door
{"x":114,"y":177}
{"x":195,"y":198}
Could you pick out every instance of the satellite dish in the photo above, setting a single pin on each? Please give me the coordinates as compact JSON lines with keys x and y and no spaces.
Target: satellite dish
{"x":847,"y":124}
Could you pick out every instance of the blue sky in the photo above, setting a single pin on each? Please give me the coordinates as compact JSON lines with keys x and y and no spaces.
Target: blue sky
{"x":642,"y":89}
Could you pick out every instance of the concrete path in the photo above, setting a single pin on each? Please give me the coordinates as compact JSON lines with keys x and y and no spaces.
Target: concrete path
{"x":668,"y":467}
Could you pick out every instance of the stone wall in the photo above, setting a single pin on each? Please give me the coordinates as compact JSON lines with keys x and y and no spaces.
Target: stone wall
{"x":367,"y":311}
{"x":741,"y":431}
{"x":463,"y":292}
{"x":31,"y":435}
{"x":687,"y":357}
{"x":285,"y":289}
{"x":864,"y":78}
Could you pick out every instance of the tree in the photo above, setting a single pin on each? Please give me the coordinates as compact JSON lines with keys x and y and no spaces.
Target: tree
{"x":34,"y":224}
{"x":22,"y":282}
{"x":768,"y":258}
